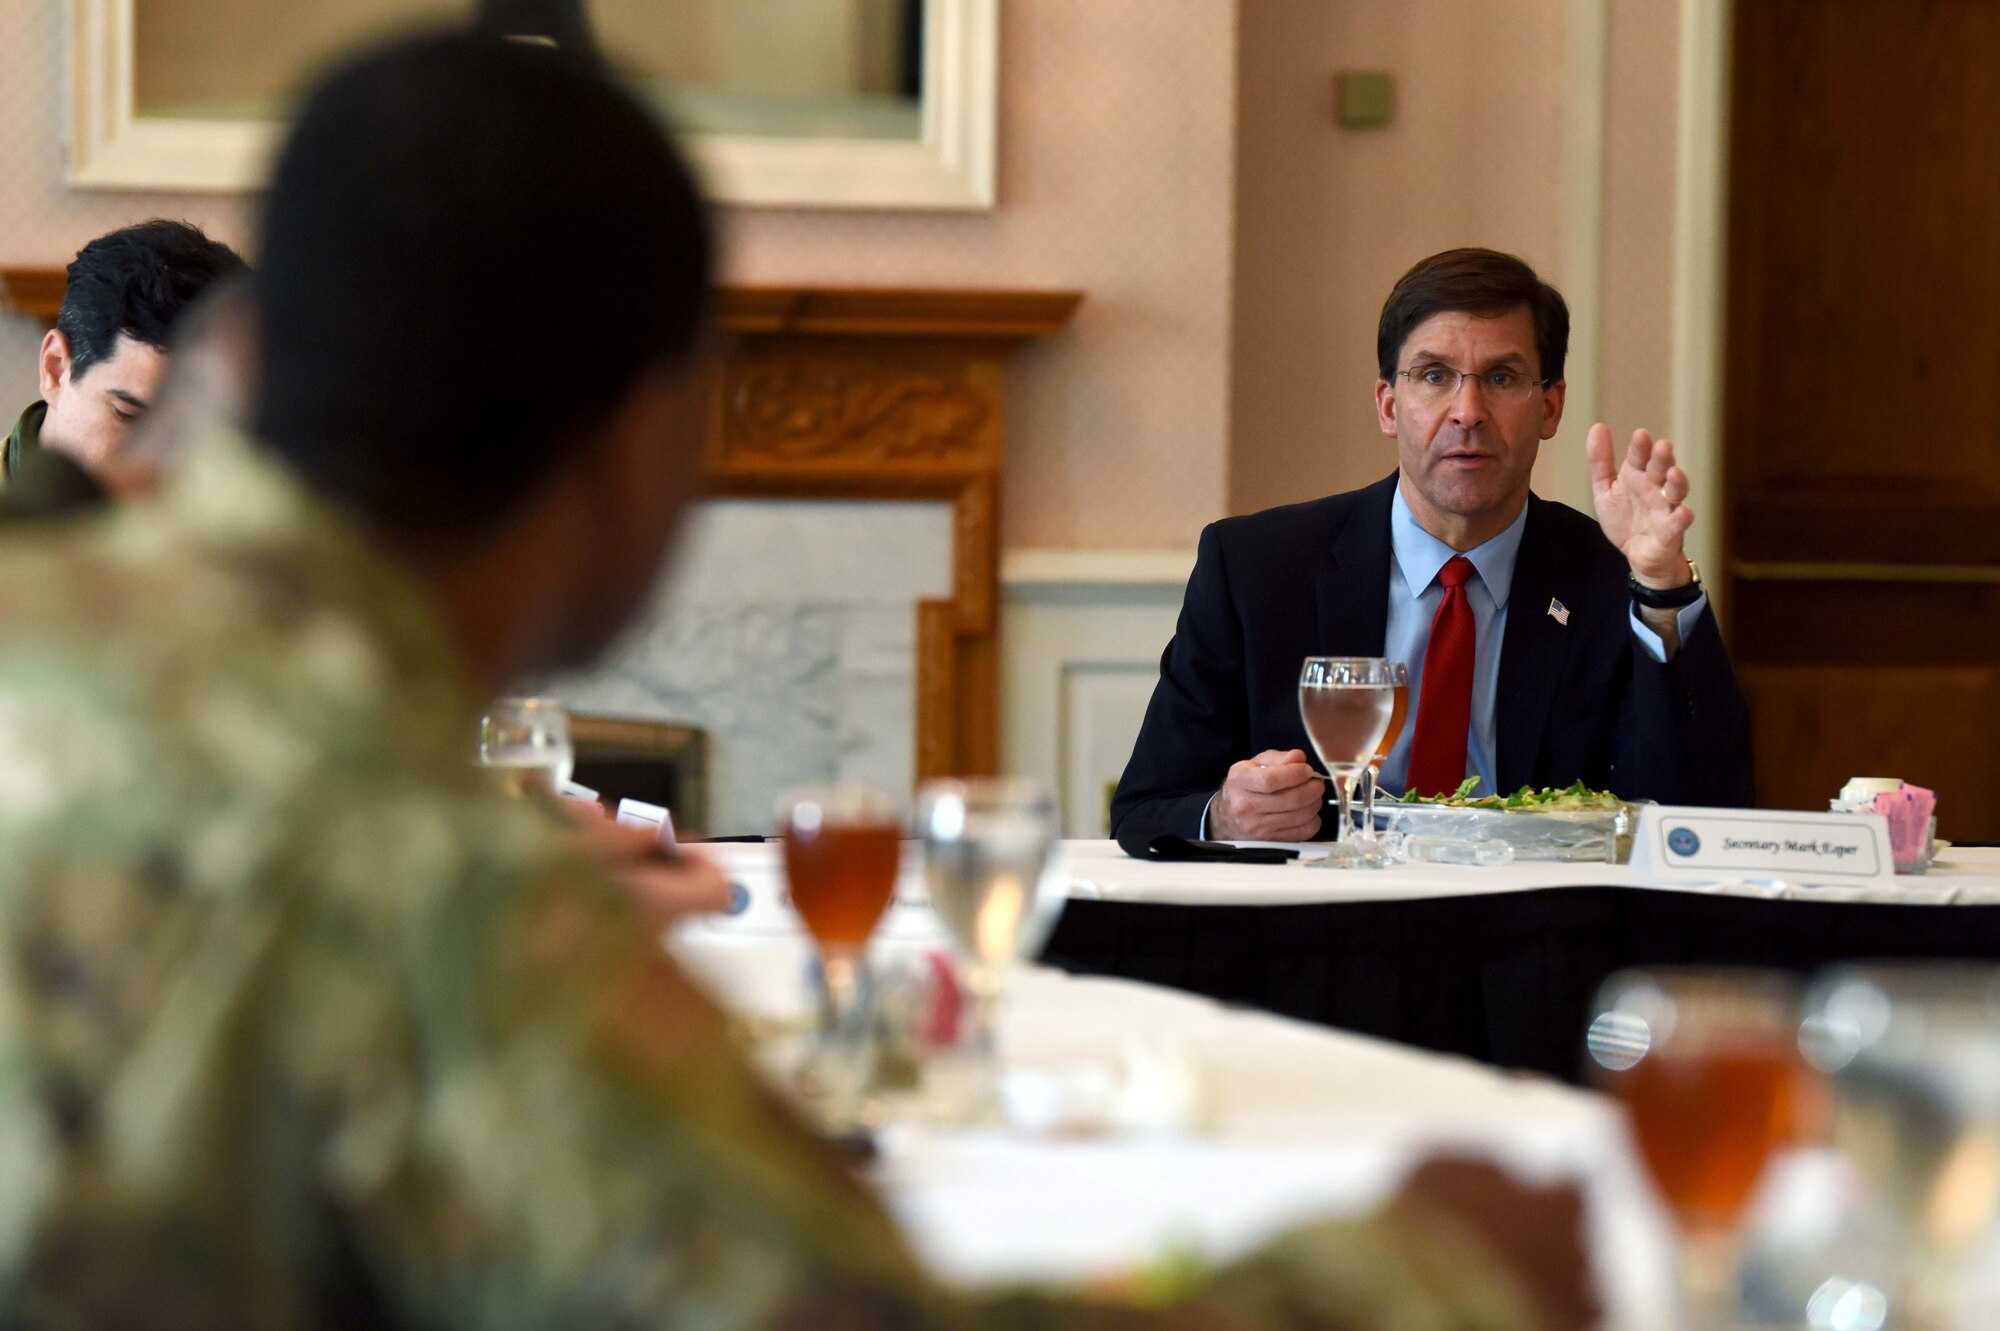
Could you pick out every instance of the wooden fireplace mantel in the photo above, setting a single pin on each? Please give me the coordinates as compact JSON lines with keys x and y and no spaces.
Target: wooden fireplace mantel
{"x":858,"y":393}
{"x":896,"y":394}
{"x":32,"y":293}
{"x":912,"y":311}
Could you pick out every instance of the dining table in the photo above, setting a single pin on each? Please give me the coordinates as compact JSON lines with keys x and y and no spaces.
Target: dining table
{"x":1195,"y":1128}
{"x":1143,"y":1123}
{"x":1495,"y":964}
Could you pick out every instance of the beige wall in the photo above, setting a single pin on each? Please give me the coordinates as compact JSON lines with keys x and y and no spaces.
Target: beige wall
{"x":1235,"y":244}
{"x":1640,"y":160}
{"x":1117,"y":133}
{"x":1328,"y":218}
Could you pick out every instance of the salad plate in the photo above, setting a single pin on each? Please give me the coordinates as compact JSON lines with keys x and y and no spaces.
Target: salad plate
{"x":1571,"y":824}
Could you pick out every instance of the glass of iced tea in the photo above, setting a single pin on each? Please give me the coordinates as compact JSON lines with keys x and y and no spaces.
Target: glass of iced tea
{"x":1706,"y":1062}
{"x":842,"y":845}
{"x":1346,"y":703}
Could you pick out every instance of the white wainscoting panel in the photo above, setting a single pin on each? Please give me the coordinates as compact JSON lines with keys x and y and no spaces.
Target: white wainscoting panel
{"x":1080,"y":639}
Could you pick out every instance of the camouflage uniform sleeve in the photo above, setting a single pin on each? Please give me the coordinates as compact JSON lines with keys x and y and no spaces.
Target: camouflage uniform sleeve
{"x":1403,"y":1269}
{"x":559,"y":1131}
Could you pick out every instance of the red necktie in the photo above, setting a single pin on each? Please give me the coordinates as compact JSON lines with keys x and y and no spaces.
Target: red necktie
{"x":1444,"y":708}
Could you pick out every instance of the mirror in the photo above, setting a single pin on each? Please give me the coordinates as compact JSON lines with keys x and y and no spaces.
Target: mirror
{"x":866,"y":103}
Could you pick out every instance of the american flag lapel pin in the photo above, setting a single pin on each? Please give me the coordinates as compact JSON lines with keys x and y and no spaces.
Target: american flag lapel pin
{"x":1558,"y":612}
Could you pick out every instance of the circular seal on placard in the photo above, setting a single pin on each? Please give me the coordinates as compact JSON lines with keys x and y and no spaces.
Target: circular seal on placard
{"x":1683,"y":842}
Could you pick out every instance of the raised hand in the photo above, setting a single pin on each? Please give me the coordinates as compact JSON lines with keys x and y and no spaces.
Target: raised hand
{"x":1639,"y":504}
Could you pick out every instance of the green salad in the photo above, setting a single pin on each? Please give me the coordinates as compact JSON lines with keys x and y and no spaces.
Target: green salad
{"x":1526,"y":799}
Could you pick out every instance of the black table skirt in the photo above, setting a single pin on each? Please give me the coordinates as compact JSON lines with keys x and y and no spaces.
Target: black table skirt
{"x":1505,"y":978}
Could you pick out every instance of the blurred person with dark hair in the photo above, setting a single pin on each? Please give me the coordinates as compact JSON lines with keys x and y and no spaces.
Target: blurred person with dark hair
{"x":100,"y":366}
{"x":208,"y":363}
{"x":210,"y":379}
{"x":303,"y":1022}
{"x":1544,"y":647}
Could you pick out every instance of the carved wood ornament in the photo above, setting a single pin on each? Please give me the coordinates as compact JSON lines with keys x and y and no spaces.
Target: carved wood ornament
{"x":828,"y":393}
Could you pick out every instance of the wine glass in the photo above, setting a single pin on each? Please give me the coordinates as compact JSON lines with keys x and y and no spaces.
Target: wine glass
{"x":1914,"y":1055}
{"x":987,"y":845}
{"x":1346,"y":703}
{"x":1707,"y":1065}
{"x":841,"y":848}
{"x":1399,"y":679}
{"x":526,"y":742}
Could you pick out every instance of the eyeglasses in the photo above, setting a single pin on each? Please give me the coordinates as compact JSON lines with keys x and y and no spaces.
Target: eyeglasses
{"x":1440,"y":383}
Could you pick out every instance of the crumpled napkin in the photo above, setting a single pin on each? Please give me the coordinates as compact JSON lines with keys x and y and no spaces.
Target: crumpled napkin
{"x":1150,"y":841}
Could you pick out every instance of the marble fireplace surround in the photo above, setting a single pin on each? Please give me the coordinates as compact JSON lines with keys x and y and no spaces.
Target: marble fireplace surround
{"x":853,"y":394}
{"x":889,"y":394}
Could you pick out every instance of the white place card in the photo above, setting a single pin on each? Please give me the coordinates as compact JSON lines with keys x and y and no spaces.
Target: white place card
{"x":638,"y":813}
{"x":1850,"y":849}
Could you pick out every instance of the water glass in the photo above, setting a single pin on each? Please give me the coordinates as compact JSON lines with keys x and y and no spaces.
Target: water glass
{"x":1346,"y":704}
{"x":1914,"y":1055}
{"x":525,"y":741}
{"x":987,"y":845}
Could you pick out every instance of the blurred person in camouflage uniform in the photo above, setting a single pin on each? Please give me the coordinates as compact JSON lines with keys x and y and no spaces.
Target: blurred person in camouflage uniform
{"x":302,"y":1022}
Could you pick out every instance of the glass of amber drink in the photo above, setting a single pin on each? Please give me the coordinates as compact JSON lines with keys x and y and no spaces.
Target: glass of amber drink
{"x":1399,"y":680}
{"x":1706,"y":1062}
{"x":842,"y":845}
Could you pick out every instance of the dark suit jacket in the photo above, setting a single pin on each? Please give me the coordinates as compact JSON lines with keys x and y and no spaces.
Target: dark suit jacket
{"x":1582,"y":700}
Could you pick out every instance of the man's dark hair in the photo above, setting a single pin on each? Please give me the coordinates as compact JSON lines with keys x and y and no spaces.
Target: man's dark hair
{"x":1473,"y":281}
{"x":472,"y":249}
{"x":137,"y":281}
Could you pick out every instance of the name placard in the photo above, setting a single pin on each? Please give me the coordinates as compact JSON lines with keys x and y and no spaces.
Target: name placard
{"x":1706,"y":844}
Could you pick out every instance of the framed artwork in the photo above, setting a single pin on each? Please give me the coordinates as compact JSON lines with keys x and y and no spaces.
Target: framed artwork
{"x":803,"y":103}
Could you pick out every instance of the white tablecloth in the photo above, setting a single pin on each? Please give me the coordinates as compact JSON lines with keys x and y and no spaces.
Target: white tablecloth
{"x":1298,"y":1123}
{"x":1295,"y":1122}
{"x":1099,"y":870}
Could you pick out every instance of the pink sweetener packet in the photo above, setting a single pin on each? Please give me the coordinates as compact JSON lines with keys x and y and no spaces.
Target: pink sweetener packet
{"x":1909,"y":813}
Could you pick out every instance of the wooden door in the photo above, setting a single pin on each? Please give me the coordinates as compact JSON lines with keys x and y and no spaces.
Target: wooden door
{"x":1862,"y":412}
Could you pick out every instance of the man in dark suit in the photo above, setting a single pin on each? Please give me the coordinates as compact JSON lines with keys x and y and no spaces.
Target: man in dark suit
{"x":1543,"y":647}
